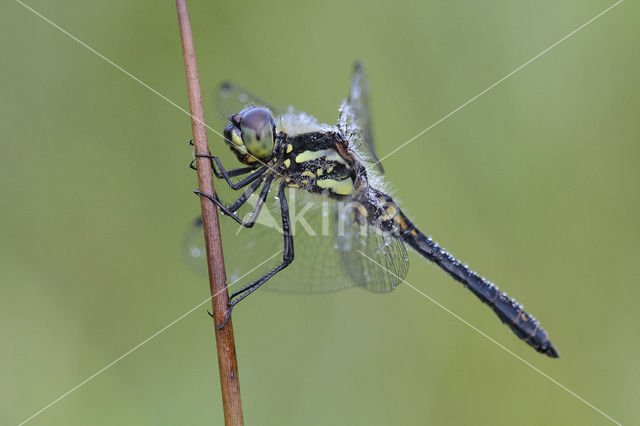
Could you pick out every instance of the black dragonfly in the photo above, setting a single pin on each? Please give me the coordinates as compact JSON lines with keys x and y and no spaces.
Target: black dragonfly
{"x":331,"y":174}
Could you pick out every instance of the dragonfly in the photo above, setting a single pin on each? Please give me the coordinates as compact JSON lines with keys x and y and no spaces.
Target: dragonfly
{"x":288,"y":158}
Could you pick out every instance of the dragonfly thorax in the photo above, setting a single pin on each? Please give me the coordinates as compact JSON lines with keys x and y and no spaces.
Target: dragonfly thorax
{"x":319,"y":162}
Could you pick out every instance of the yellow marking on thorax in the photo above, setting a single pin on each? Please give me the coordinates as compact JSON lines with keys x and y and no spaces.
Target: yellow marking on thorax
{"x":340,"y":187}
{"x":289,"y":148}
{"x":328,"y":154}
{"x":308,"y":173}
{"x":287,"y":163}
{"x":319,"y":172}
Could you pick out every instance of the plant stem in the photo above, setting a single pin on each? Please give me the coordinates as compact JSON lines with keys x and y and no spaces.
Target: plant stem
{"x":227,"y":363}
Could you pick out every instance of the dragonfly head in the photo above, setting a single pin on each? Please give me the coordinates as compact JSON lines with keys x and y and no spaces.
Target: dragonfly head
{"x":251,"y":134}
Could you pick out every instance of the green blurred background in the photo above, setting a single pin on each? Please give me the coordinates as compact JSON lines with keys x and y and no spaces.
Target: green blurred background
{"x":535,"y":184}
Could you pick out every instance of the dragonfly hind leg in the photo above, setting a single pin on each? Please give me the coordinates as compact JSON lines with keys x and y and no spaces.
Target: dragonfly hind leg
{"x":287,"y":258}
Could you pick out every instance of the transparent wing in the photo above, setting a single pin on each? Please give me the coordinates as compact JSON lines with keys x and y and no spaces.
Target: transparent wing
{"x":330,"y":249}
{"x":355,"y":121}
{"x":231,"y":99}
{"x":374,"y":260}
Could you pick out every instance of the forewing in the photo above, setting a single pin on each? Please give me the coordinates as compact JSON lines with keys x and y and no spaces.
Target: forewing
{"x":355,"y":118}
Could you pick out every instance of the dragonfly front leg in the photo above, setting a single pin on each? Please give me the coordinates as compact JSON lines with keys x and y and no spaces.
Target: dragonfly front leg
{"x":287,"y":258}
{"x":223,"y":173}
{"x":228,"y":174}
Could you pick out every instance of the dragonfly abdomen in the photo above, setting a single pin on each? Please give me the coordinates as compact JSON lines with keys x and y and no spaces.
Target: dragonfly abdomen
{"x":508,"y":310}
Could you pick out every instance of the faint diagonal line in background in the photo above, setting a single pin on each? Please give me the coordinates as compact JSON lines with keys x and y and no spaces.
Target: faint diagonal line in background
{"x":128,"y":74}
{"x":136,"y":347}
{"x":496,"y":342}
{"x":384,"y":157}
{"x":496,"y":83}
{"x":104,"y":58}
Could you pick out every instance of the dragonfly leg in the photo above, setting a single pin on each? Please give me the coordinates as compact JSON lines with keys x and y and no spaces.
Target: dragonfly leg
{"x":287,"y":258}
{"x":223,"y":173}
{"x":230,"y":211}
{"x":228,"y":174}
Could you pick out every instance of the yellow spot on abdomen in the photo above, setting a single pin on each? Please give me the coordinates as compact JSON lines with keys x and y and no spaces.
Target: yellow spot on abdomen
{"x":289,"y":148}
{"x":398,"y":219}
{"x":391,"y":210}
{"x":287,"y":163}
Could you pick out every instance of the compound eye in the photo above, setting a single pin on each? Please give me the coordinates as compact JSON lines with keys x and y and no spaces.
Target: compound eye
{"x":257,"y":129}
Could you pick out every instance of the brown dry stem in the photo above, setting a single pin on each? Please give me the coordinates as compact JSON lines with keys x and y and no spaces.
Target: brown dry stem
{"x":227,"y":363}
